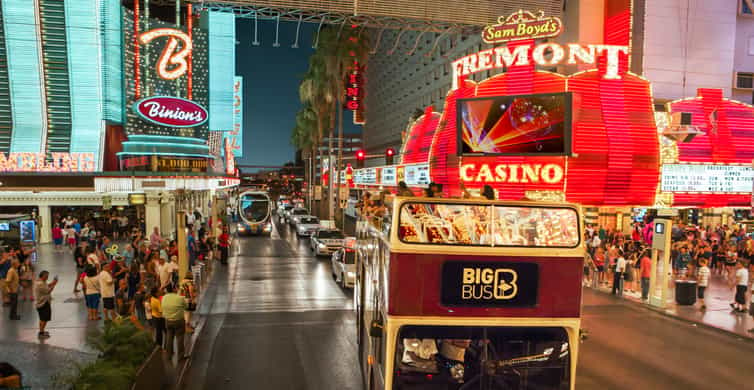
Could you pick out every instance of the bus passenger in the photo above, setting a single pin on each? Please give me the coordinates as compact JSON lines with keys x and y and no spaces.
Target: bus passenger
{"x":403,"y":189}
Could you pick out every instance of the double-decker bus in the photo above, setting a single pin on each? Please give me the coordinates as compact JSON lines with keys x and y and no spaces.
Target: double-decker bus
{"x":469,"y":294}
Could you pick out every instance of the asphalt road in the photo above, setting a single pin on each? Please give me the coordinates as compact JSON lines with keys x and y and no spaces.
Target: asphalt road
{"x":277,"y":320}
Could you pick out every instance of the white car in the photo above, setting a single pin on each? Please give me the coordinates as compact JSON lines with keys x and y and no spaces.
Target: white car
{"x":344,"y":267}
{"x":326,"y":241}
{"x":296,"y":214}
{"x":307,"y":225}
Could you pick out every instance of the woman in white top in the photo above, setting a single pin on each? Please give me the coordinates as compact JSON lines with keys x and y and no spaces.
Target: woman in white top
{"x":90,"y":281}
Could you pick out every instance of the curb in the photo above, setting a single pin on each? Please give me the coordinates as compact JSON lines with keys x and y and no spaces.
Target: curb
{"x":201,"y":321}
{"x":639,"y":305}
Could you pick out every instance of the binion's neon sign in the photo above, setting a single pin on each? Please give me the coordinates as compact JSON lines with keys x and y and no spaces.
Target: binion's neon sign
{"x":504,"y":56}
{"x":172,"y":63}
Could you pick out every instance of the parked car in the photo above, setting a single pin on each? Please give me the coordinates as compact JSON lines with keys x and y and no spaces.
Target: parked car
{"x":307,"y":225}
{"x":295,"y":214}
{"x":326,"y":241}
{"x":344,"y":267}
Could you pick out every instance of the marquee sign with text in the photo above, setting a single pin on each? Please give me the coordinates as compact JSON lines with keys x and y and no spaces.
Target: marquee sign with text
{"x":171,"y":111}
{"x":522,"y":25}
{"x":38,"y":162}
{"x":707,"y":178}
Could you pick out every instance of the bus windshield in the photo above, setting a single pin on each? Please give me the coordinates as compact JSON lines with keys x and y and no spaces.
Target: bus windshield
{"x":489,"y":225}
{"x":255,"y":207}
{"x":463,"y":357}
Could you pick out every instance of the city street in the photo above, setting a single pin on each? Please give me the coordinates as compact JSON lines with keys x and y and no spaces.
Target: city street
{"x":276,"y":318}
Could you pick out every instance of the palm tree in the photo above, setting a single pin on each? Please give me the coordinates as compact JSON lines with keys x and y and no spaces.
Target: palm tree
{"x":324,"y":87}
{"x":303,"y":138}
{"x":315,"y":93}
{"x":339,"y":52}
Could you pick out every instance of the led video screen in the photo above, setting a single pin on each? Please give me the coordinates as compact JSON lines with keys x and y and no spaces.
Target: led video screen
{"x":515,"y":125}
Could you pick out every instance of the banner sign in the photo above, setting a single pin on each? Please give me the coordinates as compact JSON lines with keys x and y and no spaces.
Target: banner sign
{"x":707,"y":178}
{"x":38,"y":162}
{"x":171,"y":111}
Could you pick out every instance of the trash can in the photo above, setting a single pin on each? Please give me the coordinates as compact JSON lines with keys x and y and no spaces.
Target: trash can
{"x":685,"y":292}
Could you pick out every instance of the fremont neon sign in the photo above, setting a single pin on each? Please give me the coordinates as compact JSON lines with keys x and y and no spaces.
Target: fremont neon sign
{"x":512,"y":173}
{"x":172,"y":64}
{"x":504,"y":56}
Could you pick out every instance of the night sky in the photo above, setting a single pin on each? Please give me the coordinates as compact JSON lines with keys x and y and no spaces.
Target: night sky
{"x":271,"y":79}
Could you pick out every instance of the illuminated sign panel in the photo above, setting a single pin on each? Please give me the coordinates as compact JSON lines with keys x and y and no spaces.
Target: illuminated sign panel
{"x":171,"y":111}
{"x":172,"y":62}
{"x":707,"y":178}
{"x":369,"y":176}
{"x":522,"y":25}
{"x":416,"y":175}
{"x":537,"y":124}
{"x":37,"y":162}
{"x":388,"y":176}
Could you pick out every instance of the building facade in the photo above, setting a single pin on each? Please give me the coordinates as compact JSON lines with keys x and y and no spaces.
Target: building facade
{"x":103,"y":99}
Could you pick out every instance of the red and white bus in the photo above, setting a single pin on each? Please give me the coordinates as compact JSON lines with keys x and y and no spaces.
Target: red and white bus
{"x":469,"y":294}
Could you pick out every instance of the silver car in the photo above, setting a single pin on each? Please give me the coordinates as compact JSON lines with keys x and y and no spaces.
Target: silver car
{"x":344,"y":267}
{"x":296,"y":214}
{"x":307,"y":225}
{"x":326,"y":241}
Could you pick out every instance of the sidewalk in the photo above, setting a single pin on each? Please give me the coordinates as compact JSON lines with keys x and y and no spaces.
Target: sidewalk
{"x":38,"y":360}
{"x":718,"y":314}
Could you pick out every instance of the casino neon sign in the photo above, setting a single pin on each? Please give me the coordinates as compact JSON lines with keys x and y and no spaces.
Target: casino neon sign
{"x":172,"y":63}
{"x":38,"y":162}
{"x":512,"y":173}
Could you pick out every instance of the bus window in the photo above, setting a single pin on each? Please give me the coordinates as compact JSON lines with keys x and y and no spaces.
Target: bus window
{"x":461,"y":357}
{"x":536,"y":226}
{"x":430,"y":223}
{"x":483,"y":225}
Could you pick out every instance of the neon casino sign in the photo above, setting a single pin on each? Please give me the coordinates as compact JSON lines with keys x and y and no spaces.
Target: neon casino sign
{"x":172,"y":63}
{"x":38,"y":162}
{"x":545,"y":54}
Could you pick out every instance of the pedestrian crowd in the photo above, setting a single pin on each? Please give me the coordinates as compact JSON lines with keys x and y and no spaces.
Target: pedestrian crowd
{"x":136,"y":278}
{"x":623,"y":262}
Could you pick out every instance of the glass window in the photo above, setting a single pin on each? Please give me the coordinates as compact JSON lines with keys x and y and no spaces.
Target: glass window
{"x":483,"y":225}
{"x":455,"y":357}
{"x":536,"y":226}
{"x":431,"y":223}
{"x":350,"y":257}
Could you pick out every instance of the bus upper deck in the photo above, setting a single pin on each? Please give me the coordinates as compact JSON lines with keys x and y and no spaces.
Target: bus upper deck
{"x":457,"y":256}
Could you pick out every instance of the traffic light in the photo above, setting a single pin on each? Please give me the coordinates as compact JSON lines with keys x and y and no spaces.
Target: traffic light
{"x":389,"y":154}
{"x":360,"y":156}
